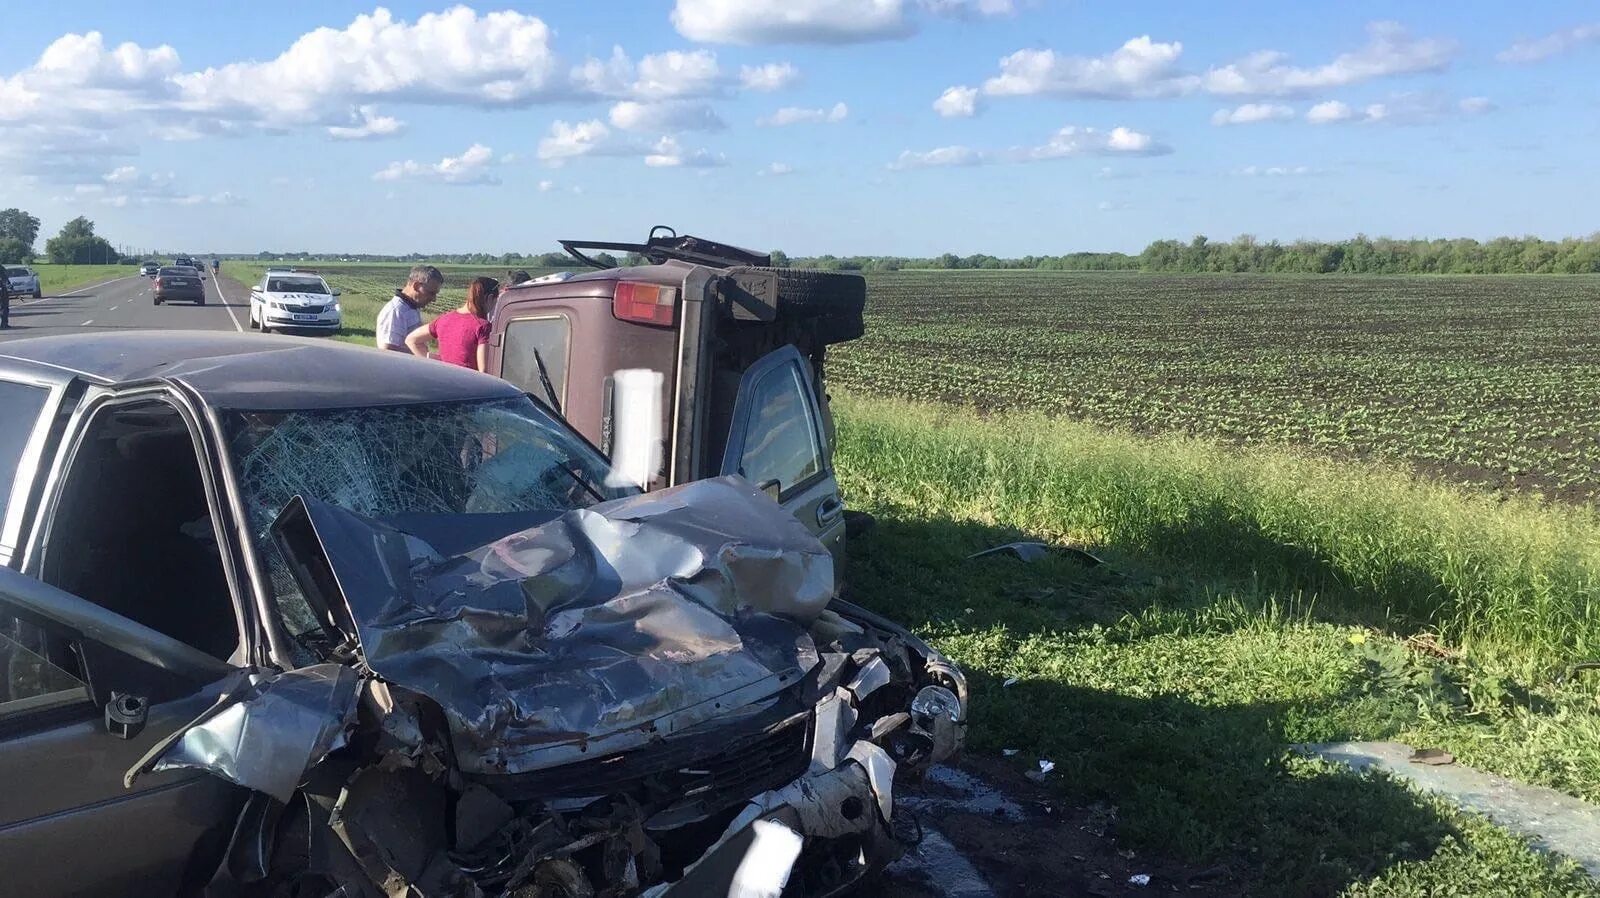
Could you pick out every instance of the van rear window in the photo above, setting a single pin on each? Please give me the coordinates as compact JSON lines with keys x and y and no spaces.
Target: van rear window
{"x":528,"y":342}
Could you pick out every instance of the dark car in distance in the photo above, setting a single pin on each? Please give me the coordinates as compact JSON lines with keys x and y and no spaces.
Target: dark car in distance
{"x":179,"y":283}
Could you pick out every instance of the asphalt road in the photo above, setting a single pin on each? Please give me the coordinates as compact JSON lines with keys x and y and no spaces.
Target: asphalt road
{"x":127,"y":304}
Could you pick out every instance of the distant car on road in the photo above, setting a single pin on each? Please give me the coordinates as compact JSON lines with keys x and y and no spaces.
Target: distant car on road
{"x":179,"y":282}
{"x":186,"y":262}
{"x":294,"y":299}
{"x":24,"y":281}
{"x":150,"y":269}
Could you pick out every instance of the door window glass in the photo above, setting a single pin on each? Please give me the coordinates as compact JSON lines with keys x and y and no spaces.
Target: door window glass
{"x":20,"y":405}
{"x":780,"y":438}
{"x":28,"y":680}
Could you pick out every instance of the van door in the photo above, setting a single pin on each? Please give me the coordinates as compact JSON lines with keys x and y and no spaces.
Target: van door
{"x":777,"y":436}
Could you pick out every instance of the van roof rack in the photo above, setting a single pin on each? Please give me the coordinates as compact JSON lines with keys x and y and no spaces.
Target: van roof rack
{"x":659,"y":249}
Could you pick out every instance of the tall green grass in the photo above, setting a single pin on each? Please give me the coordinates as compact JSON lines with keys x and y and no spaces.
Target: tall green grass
{"x":1250,"y":600}
{"x":1508,"y":579}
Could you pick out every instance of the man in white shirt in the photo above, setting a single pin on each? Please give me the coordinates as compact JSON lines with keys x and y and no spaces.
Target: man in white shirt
{"x":403,"y":314}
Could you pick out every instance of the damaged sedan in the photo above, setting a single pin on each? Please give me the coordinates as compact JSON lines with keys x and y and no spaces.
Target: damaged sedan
{"x":284,"y":618}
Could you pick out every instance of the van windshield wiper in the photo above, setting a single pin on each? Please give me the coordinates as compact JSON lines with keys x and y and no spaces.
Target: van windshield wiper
{"x":544,"y":378}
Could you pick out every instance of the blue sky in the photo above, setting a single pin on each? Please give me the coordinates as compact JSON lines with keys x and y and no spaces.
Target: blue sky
{"x":845,"y":126}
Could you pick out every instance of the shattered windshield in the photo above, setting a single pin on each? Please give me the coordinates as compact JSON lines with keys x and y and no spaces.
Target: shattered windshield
{"x":489,"y":457}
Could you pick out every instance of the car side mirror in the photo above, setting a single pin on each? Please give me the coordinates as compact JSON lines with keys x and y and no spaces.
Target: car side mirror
{"x":338,"y":292}
{"x":772,"y":488}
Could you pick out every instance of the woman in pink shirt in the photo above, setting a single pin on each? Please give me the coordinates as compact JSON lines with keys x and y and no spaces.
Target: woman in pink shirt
{"x":462,"y":335}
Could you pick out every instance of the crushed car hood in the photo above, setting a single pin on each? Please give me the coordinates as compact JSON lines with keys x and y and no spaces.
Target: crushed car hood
{"x":600,"y":630}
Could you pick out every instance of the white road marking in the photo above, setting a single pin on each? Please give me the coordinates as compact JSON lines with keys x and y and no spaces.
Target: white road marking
{"x":87,"y":323}
{"x":116,"y":307}
{"x":218,"y":284}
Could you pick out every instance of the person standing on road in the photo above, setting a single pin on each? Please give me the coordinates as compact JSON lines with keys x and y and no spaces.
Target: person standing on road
{"x":5,"y":299}
{"x":463,"y":335}
{"x":403,"y":314}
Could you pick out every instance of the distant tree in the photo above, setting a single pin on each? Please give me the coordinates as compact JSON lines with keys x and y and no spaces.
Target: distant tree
{"x":780,"y":259}
{"x":77,"y":244}
{"x":19,"y":225}
{"x":14,"y":251}
{"x":606,"y":259}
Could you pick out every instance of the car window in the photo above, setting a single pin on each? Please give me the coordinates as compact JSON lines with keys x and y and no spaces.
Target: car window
{"x":20,"y":405}
{"x":15,"y":272}
{"x":28,"y":680}
{"x":483,"y":457}
{"x":296,"y":285}
{"x":780,"y":437}
{"x":518,"y":364}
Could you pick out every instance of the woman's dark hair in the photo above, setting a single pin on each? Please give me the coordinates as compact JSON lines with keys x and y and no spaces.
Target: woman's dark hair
{"x":481,"y":295}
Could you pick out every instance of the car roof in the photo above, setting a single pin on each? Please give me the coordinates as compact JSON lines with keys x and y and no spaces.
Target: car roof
{"x":246,"y":371}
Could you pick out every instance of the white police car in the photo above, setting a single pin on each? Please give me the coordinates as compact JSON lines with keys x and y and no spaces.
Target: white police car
{"x":294,"y":299}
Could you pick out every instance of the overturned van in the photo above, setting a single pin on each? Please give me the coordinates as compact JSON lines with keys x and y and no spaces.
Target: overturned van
{"x":286,"y":618}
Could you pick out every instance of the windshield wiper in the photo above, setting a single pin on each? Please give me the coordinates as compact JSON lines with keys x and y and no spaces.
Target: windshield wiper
{"x":587,"y":486}
{"x":544,"y":378}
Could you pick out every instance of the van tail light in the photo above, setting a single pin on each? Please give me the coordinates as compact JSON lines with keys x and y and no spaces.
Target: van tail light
{"x":161,"y":282}
{"x":645,"y":303}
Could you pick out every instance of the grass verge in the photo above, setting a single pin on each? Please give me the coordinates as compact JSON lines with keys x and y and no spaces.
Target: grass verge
{"x":1249,"y":601}
{"x":54,"y":279}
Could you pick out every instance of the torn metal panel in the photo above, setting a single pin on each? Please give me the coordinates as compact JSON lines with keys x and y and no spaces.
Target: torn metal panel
{"x":265,"y":731}
{"x":604,"y":629}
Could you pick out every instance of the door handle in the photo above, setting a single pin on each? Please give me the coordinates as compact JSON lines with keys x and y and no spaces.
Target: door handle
{"x":829,"y":510}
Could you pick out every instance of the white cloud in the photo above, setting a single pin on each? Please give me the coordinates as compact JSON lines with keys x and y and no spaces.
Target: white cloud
{"x":1399,"y":109}
{"x":1109,"y":206}
{"x":1276,"y":171}
{"x":667,"y":117}
{"x":939,"y":158}
{"x":1139,"y":68}
{"x":668,"y":154}
{"x":366,"y":123}
{"x":569,"y":141}
{"x":1067,"y":142}
{"x":455,"y":56}
{"x":1554,"y":44}
{"x":767,"y":78}
{"x":1329,"y":112}
{"x":126,"y":185}
{"x":1390,"y":50}
{"x":791,"y":21}
{"x":592,"y":138}
{"x":659,"y":76}
{"x":474,"y":166}
{"x":1252,"y":113}
{"x":78,"y":74}
{"x":968,"y":9}
{"x":795,"y":115}
{"x":777,"y":169}
{"x":546,"y":186}
{"x":957,"y":102}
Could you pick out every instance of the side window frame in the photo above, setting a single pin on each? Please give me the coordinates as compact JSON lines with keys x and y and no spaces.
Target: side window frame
{"x":18,"y":506}
{"x":37,"y":546}
{"x":744,"y":407}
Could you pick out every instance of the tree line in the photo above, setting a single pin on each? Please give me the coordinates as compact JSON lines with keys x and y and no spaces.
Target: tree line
{"x":78,"y":243}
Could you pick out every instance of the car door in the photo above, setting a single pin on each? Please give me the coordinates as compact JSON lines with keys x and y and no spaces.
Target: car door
{"x":776,"y":439}
{"x":68,"y":827}
{"x":68,"y":824}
